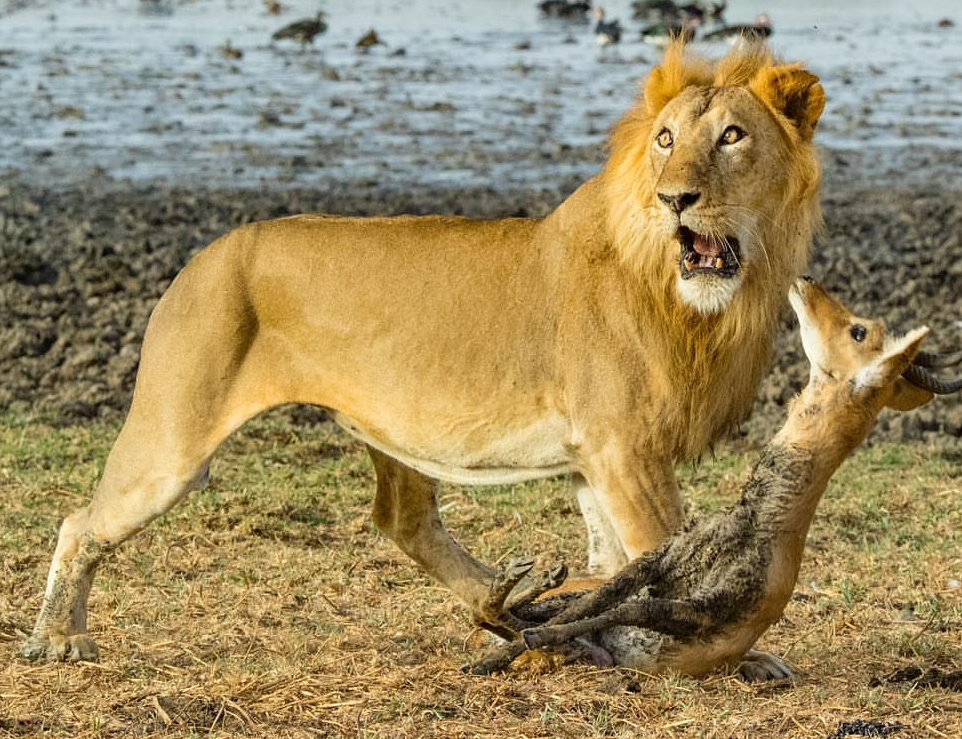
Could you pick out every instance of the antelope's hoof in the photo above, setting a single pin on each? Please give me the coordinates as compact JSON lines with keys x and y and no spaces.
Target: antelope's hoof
{"x":531,"y":587}
{"x":492,"y":614}
{"x":760,"y":666}
{"x":503,"y":583}
{"x":516,"y":568}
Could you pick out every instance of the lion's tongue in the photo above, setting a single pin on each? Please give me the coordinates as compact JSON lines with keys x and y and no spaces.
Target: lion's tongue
{"x":707,"y":246}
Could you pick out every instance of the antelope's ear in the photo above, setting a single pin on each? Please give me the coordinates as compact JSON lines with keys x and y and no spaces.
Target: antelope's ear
{"x":676,"y":72}
{"x":793,"y":92}
{"x":897,"y":353}
{"x":906,"y":396}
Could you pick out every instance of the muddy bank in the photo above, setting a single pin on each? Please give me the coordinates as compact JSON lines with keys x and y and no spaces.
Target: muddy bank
{"x":81,"y":270}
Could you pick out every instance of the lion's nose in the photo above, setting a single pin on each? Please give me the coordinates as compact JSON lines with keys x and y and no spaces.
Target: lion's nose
{"x":678,"y":201}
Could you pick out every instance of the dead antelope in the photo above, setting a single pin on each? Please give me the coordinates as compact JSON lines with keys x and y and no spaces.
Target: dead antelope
{"x":701,"y":599}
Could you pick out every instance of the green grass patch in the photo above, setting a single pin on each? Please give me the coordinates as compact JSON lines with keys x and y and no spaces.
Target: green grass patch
{"x":269,"y":604}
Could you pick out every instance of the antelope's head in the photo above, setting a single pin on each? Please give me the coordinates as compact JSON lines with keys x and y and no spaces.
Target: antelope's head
{"x":856,"y":363}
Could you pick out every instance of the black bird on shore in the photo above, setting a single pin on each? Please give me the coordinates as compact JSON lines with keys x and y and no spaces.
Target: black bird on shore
{"x":703,"y":11}
{"x":564,"y":9}
{"x":303,"y":30}
{"x":606,"y":32}
{"x":229,"y":51}
{"x":760,"y":29}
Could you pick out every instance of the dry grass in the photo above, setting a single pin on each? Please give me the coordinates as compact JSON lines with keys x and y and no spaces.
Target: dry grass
{"x":268,"y":605}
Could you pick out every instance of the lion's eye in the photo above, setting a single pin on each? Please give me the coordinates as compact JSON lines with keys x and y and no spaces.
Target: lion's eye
{"x":665,"y":139}
{"x":731,"y":135}
{"x":858,"y":332}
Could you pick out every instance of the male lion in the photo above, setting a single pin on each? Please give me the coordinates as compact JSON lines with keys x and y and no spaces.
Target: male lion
{"x":618,"y":335}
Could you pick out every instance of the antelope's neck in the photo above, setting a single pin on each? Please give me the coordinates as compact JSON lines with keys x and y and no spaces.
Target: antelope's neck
{"x":823,"y":426}
{"x":828,"y":422}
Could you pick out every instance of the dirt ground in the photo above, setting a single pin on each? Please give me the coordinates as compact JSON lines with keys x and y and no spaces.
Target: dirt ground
{"x":268,"y":605}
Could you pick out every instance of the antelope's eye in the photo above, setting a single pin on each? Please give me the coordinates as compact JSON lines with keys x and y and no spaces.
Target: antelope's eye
{"x":858,"y":332}
{"x":664,"y":138}
{"x":731,"y":135}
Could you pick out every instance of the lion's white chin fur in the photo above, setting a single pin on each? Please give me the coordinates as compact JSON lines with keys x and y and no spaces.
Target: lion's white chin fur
{"x":708,"y":294}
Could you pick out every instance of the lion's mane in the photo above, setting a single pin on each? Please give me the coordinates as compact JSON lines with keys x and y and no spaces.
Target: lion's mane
{"x":712,"y":364}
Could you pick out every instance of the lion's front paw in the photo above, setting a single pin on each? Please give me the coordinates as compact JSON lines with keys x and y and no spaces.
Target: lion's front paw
{"x":759,"y":666}
{"x":60,"y":648}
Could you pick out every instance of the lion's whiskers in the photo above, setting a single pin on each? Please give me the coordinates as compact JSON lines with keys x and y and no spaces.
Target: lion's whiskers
{"x":752,"y":231}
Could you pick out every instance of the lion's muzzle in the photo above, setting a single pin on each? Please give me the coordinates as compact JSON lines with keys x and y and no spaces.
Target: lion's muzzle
{"x":708,"y":255}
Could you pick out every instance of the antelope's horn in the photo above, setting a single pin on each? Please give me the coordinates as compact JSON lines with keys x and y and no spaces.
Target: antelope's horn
{"x":927,"y":381}
{"x":937,"y":361}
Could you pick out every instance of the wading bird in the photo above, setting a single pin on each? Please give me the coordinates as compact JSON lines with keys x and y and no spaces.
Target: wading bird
{"x":303,"y":30}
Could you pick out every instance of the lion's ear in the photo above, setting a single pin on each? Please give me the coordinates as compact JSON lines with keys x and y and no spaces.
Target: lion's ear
{"x":676,"y":72}
{"x":794,"y":93}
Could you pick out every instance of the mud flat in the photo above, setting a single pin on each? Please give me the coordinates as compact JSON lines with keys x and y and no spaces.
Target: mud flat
{"x":81,"y":268}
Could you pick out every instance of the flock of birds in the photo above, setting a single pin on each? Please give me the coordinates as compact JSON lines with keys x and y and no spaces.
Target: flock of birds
{"x":665,"y":20}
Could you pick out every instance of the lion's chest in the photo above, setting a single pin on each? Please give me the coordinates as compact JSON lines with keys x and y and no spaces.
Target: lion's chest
{"x":693,"y":406}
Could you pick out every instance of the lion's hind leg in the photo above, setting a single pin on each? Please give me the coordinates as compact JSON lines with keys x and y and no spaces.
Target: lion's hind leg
{"x":201,"y":376}
{"x":162,"y":453}
{"x":140,"y":482}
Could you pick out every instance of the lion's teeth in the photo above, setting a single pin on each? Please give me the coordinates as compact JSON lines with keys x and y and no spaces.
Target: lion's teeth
{"x":719,"y":263}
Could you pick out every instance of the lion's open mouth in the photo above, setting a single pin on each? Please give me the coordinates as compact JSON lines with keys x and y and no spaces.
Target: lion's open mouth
{"x":708,"y":255}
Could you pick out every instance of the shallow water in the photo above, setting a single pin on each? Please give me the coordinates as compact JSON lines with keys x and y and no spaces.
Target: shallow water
{"x":142,"y":91}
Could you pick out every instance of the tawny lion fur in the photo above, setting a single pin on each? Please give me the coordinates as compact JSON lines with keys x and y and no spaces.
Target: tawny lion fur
{"x":486,"y":351}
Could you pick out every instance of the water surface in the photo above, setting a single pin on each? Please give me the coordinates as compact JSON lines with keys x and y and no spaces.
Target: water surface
{"x":462,"y":92}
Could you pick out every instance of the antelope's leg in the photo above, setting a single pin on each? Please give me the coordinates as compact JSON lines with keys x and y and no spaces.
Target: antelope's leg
{"x":672,"y":617}
{"x":497,"y":659}
{"x":568,"y":610}
{"x":532,"y":587}
{"x":634,"y":576}
{"x":757,"y":666}
{"x":629,"y":581}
